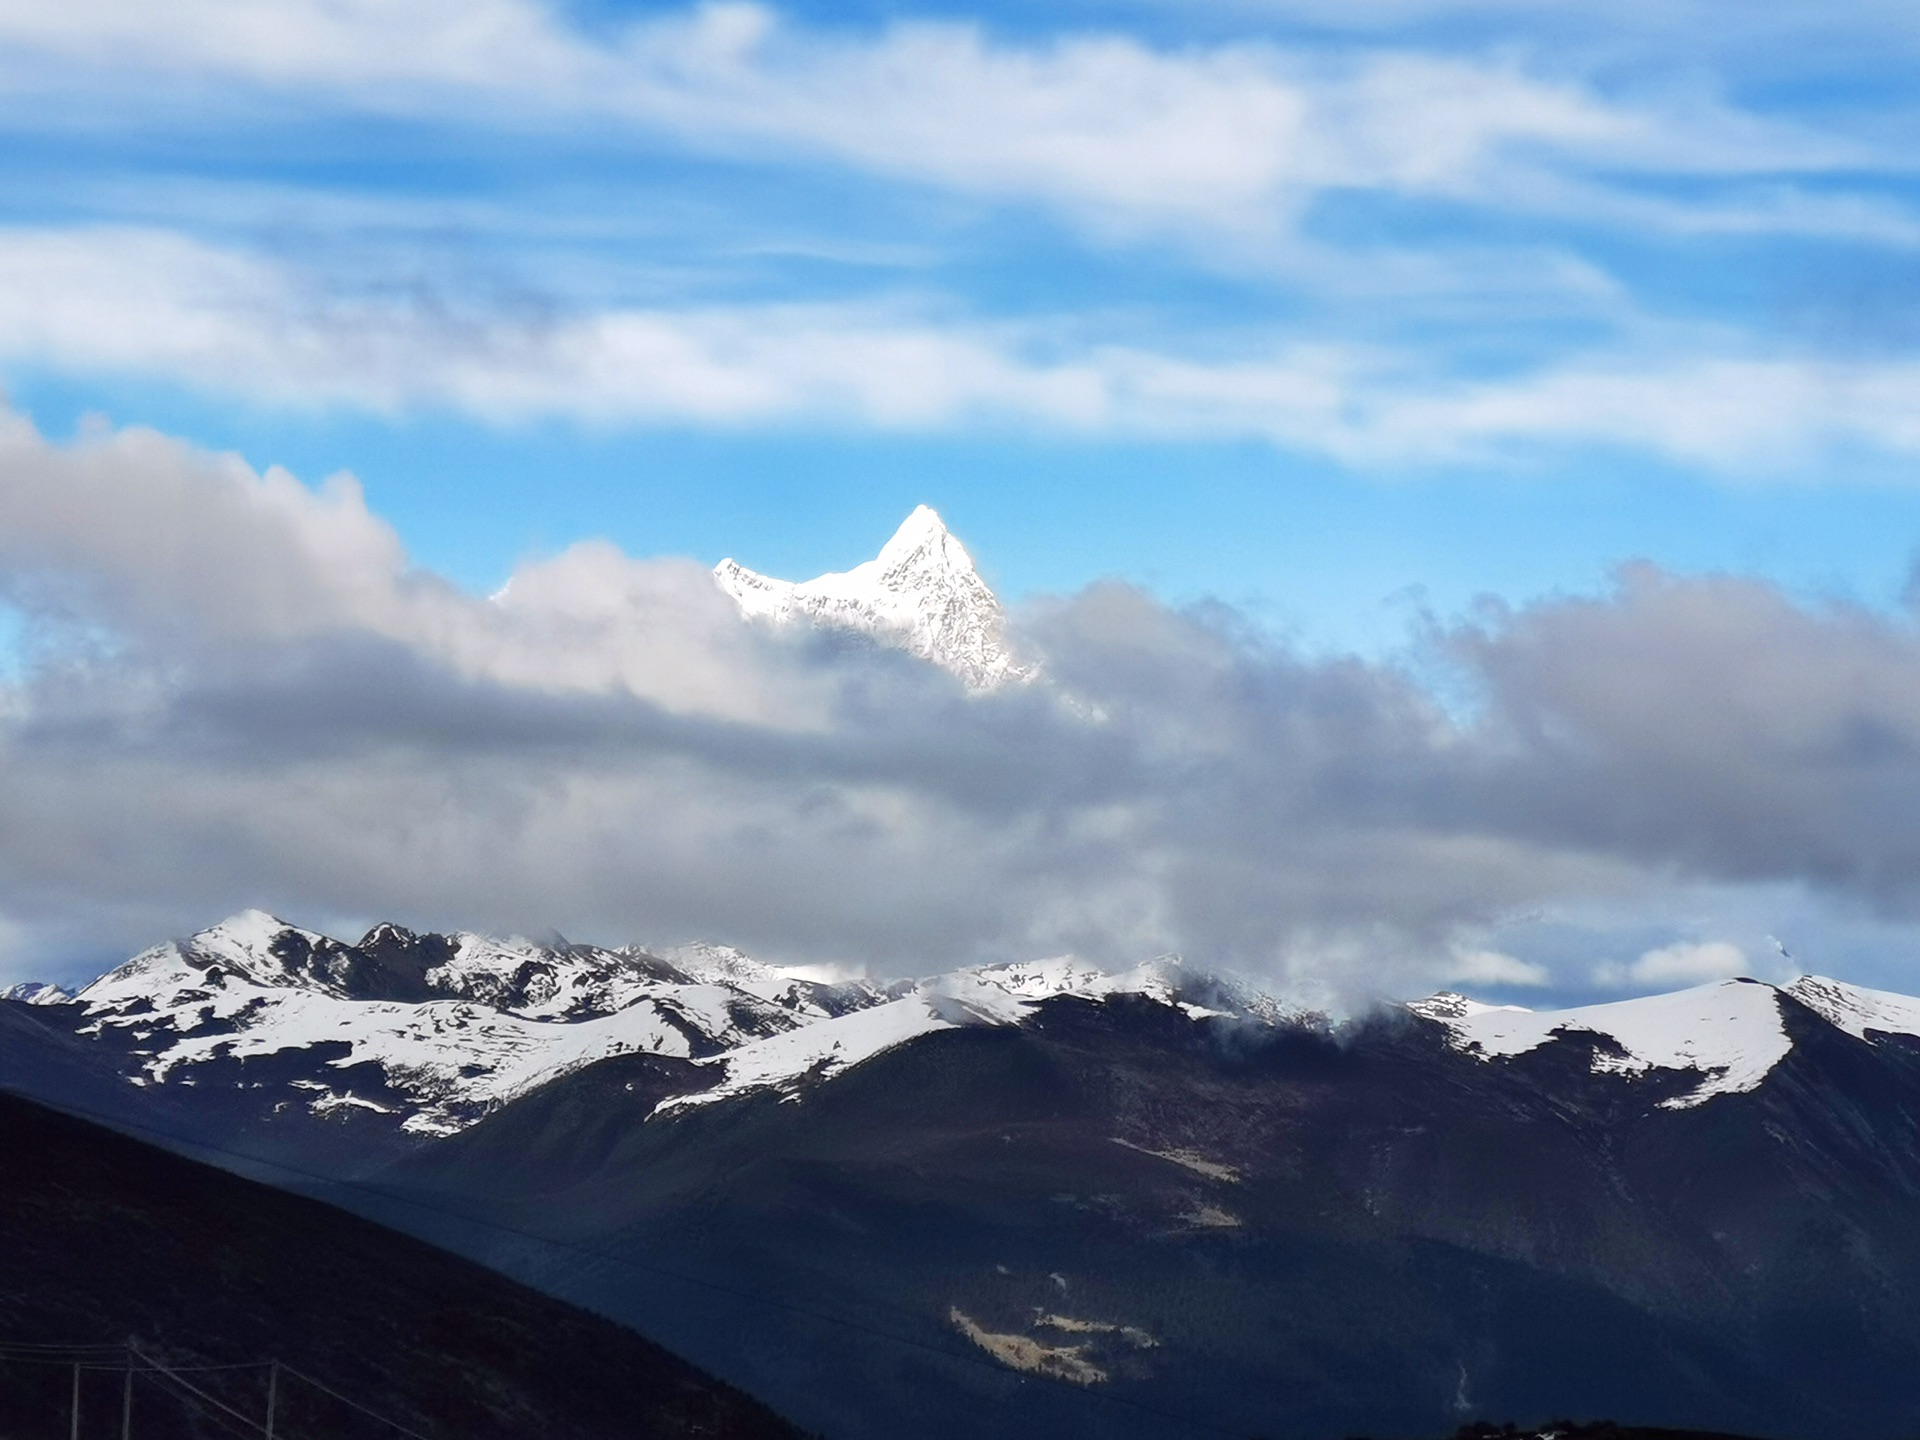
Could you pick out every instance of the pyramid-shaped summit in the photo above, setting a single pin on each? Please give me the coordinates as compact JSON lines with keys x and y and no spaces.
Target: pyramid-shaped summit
{"x":921,"y":593}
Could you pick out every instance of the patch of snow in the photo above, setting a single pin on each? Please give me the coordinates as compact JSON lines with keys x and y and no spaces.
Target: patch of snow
{"x":158,"y":977}
{"x":790,"y":989}
{"x":327,"y":1100}
{"x":1857,"y":1010}
{"x":245,"y":943}
{"x":1072,"y":1325}
{"x":1023,"y":1352}
{"x":1451,"y":1005}
{"x":1204,"y":1216}
{"x":1188,"y":1159}
{"x":1003,"y":994}
{"x":483,"y":968}
{"x":821,"y":1049}
{"x":452,"y":1058}
{"x":1729,"y":1031}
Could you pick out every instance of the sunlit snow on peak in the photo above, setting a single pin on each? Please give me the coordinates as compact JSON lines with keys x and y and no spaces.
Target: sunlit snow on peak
{"x":1861,"y":1012}
{"x":1730,"y":1031}
{"x":921,"y":593}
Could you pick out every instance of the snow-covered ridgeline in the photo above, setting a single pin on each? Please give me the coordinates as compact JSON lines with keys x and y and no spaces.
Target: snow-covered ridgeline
{"x":485,"y":1021}
{"x":1860,"y":1012}
{"x":36,"y":992}
{"x":1730,"y":1032}
{"x":441,"y":1029}
{"x":984,"y":995}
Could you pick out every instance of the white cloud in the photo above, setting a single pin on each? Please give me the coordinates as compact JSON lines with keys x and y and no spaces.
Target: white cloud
{"x":1682,"y":963}
{"x":153,"y":303}
{"x":239,"y":690}
{"x":1225,"y":144}
{"x":186,"y":549}
{"x":147,"y":302}
{"x":1229,"y":139}
{"x":1756,"y":413}
{"x":1493,"y":967}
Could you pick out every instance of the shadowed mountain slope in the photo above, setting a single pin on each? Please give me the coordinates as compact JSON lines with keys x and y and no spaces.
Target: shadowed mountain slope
{"x":103,"y":1237}
{"x":1276,"y":1231}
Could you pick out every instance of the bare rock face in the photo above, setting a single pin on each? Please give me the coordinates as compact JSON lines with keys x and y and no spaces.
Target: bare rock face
{"x":921,"y":593}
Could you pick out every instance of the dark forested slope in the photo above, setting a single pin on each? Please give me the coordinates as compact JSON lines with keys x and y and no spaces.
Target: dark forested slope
{"x":104,"y":1238}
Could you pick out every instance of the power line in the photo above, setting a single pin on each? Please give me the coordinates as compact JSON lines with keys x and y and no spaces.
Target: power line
{"x":116,"y":1366}
{"x":218,"y":1420}
{"x":643,"y":1267}
{"x":96,"y":1360}
{"x":134,"y":1352}
{"x":345,"y":1400}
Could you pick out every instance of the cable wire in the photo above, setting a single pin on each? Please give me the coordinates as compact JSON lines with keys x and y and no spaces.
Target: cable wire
{"x":212,"y":1416}
{"x":286,"y":1369}
{"x":158,"y":1368}
{"x":117,"y":1367}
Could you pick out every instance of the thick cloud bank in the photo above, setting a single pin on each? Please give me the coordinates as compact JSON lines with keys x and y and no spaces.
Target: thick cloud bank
{"x":230,"y":689}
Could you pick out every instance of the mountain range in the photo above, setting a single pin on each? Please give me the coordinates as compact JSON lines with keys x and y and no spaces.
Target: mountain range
{"x":368,"y":1048}
{"x":1079,"y":1203}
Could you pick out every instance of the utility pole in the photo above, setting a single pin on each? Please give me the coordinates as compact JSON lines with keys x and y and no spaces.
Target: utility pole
{"x":273,"y":1394}
{"x":126,"y":1397}
{"x":74,"y":1431}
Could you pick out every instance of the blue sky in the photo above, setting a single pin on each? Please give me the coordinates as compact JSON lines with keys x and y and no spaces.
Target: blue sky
{"x":1365,"y":319}
{"x":1309,"y":307}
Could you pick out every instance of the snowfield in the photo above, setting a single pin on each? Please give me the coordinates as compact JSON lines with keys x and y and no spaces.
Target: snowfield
{"x":1730,"y":1032}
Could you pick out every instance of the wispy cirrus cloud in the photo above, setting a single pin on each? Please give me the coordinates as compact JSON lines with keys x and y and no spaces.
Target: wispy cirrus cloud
{"x":1228,"y":138}
{"x":158,"y":304}
{"x":1423,"y":246}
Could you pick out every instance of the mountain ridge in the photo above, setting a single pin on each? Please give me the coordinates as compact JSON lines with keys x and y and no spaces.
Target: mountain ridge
{"x":1038,"y":1163}
{"x":431,"y":1030}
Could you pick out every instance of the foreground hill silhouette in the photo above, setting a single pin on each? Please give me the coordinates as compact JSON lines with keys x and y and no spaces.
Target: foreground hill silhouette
{"x":103,"y":1237}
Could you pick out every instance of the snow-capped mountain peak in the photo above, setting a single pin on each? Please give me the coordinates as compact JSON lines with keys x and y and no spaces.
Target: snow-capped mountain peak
{"x":921,"y":550}
{"x":1861,"y":1012}
{"x":251,"y":932}
{"x":1730,"y":1031}
{"x":921,"y":593}
{"x":252,"y":947}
